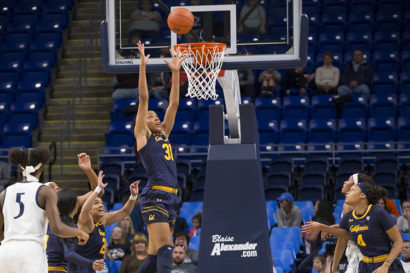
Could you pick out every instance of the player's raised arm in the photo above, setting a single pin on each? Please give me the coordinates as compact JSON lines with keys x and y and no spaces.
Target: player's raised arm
{"x":141,"y":131}
{"x":48,"y":198}
{"x":85,"y":220}
{"x":115,"y":216}
{"x":171,"y":112}
{"x":84,"y":162}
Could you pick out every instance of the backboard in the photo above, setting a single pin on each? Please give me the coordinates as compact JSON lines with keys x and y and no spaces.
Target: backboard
{"x":282,"y":43}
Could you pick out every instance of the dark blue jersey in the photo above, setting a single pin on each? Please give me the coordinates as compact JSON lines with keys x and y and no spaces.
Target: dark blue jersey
{"x":93,"y":250}
{"x":60,"y":252}
{"x":159,"y":162}
{"x":369,"y":230}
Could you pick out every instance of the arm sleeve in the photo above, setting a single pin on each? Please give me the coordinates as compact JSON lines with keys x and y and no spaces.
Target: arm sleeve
{"x":318,"y":76}
{"x":73,"y":257}
{"x":384,"y":218}
{"x":336,"y":77}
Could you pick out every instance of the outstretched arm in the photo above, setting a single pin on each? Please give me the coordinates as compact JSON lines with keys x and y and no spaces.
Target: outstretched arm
{"x":141,"y":131}
{"x":84,"y":162}
{"x":315,"y":226}
{"x":113,"y":217}
{"x":339,"y":250}
{"x":85,"y":220}
{"x":171,"y":112}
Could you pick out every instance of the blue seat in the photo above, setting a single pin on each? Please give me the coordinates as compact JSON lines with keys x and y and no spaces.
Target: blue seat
{"x":295,"y":107}
{"x":367,"y":56}
{"x":17,"y":135}
{"x":113,"y":168}
{"x":383,"y":106}
{"x":386,"y":61}
{"x":387,"y":163}
{"x":403,"y":131}
{"x":349,"y":165}
{"x":313,"y":179}
{"x":311,"y":192}
{"x":273,"y":192}
{"x":268,"y":108}
{"x":108,"y":196}
{"x":321,"y":131}
{"x":331,"y":39}
{"x":46,"y":41}
{"x":285,"y":259}
{"x":28,"y":7}
{"x":181,"y":133}
{"x":389,"y":12}
{"x":22,"y":23}
{"x":351,"y":132}
{"x":279,"y":165}
{"x":11,"y":62}
{"x":361,"y":13}
{"x":4,"y":112}
{"x":24,"y":113}
{"x":30,"y":95}
{"x":11,"y":46}
{"x":292,"y":132}
{"x":355,"y":109}
{"x":405,"y":78}
{"x":203,"y":107}
{"x":56,"y":6}
{"x":201,"y":132}
{"x":316,"y":165}
{"x":313,"y":12}
{"x":322,"y":107}
{"x":381,"y":131}
{"x":113,"y":182}
{"x":268,"y":132}
{"x":120,"y":134}
{"x":186,"y":110}
{"x":194,"y":243}
{"x":279,"y":179}
{"x":335,"y":14}
{"x":388,"y":39}
{"x":404,"y":103}
{"x":388,"y":180}
{"x":34,"y":81}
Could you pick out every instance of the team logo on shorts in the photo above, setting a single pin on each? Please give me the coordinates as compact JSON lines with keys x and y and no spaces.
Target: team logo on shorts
{"x":151,"y":217}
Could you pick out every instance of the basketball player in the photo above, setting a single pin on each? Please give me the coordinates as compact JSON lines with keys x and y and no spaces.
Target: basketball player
{"x":93,"y":219}
{"x":84,"y":162}
{"x":25,"y":209}
{"x":352,"y":251}
{"x":373,"y":230}
{"x":159,"y":199}
{"x":60,"y":252}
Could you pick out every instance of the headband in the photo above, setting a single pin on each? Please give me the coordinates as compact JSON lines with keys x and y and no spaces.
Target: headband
{"x":362,"y":187}
{"x":28,"y":170}
{"x":356,"y":178}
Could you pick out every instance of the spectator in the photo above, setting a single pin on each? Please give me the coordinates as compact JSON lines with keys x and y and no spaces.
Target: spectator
{"x":296,"y":81}
{"x":288,"y":215}
{"x":247,"y":83}
{"x":182,"y":239}
{"x":178,"y":264}
{"x":327,"y":76}
{"x":127,"y":228}
{"x":357,"y":76}
{"x":196,"y":223}
{"x":319,"y":263}
{"x":382,"y":203}
{"x":180,"y":223}
{"x":255,"y":24}
{"x":126,"y":86}
{"x":313,"y":243}
{"x":388,"y":204}
{"x":157,"y":84}
{"x":405,"y":256}
{"x":139,"y":250}
{"x":269,"y":79}
{"x":403,"y":221}
{"x":145,"y":23}
{"x":119,"y":247}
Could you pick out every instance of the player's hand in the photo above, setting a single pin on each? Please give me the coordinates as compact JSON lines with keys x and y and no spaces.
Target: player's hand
{"x":134,"y":187}
{"x":177,"y":60}
{"x":382,"y":269}
{"x":144,"y":58}
{"x":84,"y":161}
{"x":100,"y":180}
{"x":98,"y":265}
{"x":324,"y":235}
{"x":82,"y":237}
{"x":311,"y":226}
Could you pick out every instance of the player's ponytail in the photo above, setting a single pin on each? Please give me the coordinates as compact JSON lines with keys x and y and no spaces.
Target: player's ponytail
{"x":29,"y":157}
{"x":364,"y":178}
{"x":67,"y":202}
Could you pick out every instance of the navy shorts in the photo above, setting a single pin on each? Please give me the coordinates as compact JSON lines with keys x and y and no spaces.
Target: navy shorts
{"x":395,"y":267}
{"x":159,"y":206}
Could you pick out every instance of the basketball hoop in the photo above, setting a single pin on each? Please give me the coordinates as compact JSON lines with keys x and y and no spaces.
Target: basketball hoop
{"x":202,"y":65}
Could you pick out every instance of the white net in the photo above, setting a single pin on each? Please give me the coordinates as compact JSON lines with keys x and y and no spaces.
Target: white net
{"x":202,"y":65}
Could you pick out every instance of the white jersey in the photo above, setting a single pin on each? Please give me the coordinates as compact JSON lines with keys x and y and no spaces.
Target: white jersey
{"x":24,"y":220}
{"x":353,"y":255}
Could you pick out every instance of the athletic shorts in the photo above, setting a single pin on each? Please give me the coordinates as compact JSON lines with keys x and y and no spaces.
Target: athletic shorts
{"x":23,"y":257}
{"x":395,"y":267}
{"x":159,"y":206}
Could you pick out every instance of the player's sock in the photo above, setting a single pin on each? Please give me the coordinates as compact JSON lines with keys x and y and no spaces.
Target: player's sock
{"x":164,"y":259}
{"x":149,"y":265}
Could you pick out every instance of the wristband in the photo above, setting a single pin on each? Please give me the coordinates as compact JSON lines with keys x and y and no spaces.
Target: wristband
{"x":98,"y":189}
{"x":133,"y":197}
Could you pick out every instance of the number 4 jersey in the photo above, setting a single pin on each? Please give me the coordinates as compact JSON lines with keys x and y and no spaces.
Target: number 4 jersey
{"x":159,"y":162}
{"x":24,"y":219}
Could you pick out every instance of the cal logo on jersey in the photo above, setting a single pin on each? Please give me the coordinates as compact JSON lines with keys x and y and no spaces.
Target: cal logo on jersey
{"x":159,"y":138}
{"x":357,"y":228}
{"x":151,"y":217}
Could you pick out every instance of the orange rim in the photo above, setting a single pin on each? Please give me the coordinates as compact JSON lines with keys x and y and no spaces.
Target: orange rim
{"x":198,"y":46}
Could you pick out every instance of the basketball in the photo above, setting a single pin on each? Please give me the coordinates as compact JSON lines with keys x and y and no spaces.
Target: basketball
{"x":180,"y":20}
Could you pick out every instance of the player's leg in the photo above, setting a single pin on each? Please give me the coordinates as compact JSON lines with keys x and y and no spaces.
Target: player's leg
{"x":162,"y":237}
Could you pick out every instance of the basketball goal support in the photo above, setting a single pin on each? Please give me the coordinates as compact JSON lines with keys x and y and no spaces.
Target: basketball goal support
{"x":234,"y":237}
